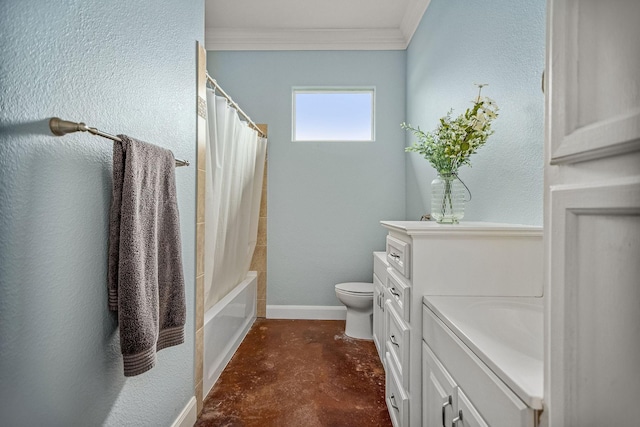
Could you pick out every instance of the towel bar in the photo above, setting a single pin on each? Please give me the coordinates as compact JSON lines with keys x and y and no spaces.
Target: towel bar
{"x":61,"y":127}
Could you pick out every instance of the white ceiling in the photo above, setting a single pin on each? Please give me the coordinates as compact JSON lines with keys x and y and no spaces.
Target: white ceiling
{"x":311,"y":24}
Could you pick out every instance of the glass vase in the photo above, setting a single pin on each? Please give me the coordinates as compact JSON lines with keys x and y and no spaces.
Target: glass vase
{"x":447,"y":199}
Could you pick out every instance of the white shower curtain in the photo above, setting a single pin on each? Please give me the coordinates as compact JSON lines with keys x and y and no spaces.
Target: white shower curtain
{"x":235,"y":165}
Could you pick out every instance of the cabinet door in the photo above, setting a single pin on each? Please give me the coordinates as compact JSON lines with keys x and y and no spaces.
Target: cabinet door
{"x":397,"y":343}
{"x":396,"y":397}
{"x":467,"y":415}
{"x":592,"y":213}
{"x":378,"y":317}
{"x":438,"y":391}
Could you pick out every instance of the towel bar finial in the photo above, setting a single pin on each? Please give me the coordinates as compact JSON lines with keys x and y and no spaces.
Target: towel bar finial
{"x":61,"y":127}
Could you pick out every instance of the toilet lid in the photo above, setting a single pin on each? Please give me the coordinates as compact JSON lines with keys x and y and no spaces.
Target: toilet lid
{"x":356,"y":287}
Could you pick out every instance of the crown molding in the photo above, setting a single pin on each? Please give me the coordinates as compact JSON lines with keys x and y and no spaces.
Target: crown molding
{"x":412,"y":17}
{"x":303,"y":39}
{"x":319,"y":39}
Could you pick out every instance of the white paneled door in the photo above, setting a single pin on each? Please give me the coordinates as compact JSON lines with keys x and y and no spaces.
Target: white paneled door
{"x":592,"y":213}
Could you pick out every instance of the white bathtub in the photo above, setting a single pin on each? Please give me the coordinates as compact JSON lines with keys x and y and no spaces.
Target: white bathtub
{"x":225,"y":326}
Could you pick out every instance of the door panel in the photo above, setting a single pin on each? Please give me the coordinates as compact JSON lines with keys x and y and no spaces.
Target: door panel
{"x":594,"y":79}
{"x":596,"y":285}
{"x":438,"y":391}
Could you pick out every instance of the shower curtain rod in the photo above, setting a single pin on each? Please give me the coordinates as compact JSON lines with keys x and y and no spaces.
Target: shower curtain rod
{"x":61,"y":127}
{"x":236,"y":106}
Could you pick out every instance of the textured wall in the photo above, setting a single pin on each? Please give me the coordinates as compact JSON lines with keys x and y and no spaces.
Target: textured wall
{"x":325,"y":199}
{"x":499,"y":42}
{"x":107,"y":64}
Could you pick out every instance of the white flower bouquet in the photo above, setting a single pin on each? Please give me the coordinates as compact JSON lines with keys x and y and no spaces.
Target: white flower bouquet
{"x":451,"y":144}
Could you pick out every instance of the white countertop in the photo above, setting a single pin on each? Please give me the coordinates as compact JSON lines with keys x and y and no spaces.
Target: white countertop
{"x":468,"y":227}
{"x":506,"y":333}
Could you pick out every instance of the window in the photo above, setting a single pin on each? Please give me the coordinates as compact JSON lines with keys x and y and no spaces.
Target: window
{"x":333,"y":114}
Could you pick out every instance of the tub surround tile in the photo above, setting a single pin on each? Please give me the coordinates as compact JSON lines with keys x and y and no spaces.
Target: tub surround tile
{"x":199,"y":355}
{"x":262,"y":232}
{"x":202,"y":153}
{"x":262,"y":285}
{"x":200,"y":223}
{"x":299,"y":373}
{"x":202,"y":144}
{"x":259,"y":261}
{"x":263,"y":205}
{"x":199,"y":399}
{"x":199,"y":249}
{"x":263,"y":200}
{"x":262,"y":243}
{"x":201,"y":194}
{"x":199,"y":301}
{"x":261,"y":308}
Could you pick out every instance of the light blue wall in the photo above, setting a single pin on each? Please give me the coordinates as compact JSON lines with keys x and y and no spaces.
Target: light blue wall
{"x":124,"y":67}
{"x":499,"y":42}
{"x":325,"y":199}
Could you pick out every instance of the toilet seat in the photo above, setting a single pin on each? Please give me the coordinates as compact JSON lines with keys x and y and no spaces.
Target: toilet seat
{"x":355,"y":288}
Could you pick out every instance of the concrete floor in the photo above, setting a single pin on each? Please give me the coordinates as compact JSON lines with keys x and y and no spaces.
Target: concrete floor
{"x":299,"y":373}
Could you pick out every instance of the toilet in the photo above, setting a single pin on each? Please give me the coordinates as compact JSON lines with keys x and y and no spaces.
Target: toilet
{"x":358,"y":298}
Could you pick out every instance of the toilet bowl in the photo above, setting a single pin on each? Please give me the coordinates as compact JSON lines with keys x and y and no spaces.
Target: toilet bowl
{"x":358,"y":298}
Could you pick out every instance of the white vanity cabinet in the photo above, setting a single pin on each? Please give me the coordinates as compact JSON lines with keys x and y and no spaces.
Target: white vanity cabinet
{"x":426,"y":258}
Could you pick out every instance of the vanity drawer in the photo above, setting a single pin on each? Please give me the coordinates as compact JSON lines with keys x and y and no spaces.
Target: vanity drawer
{"x":397,"y":343}
{"x":380,"y":265}
{"x":400,"y":292}
{"x":397,"y":399}
{"x":399,"y":255}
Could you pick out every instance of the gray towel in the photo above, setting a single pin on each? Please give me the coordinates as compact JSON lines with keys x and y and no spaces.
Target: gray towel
{"x":145,"y":278}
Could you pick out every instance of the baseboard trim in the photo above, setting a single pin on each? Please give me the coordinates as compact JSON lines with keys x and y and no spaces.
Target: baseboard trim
{"x":307,"y":312}
{"x":188,"y":416}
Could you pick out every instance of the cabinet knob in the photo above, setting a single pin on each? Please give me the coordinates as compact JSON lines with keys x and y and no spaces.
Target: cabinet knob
{"x":392,"y":400}
{"x":448,"y":402}
{"x":394,"y":292}
{"x":454,"y":421}
{"x":394,"y":256}
{"x":392,"y":338}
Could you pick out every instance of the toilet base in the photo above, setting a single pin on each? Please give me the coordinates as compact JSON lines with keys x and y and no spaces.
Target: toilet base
{"x":359,"y":325}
